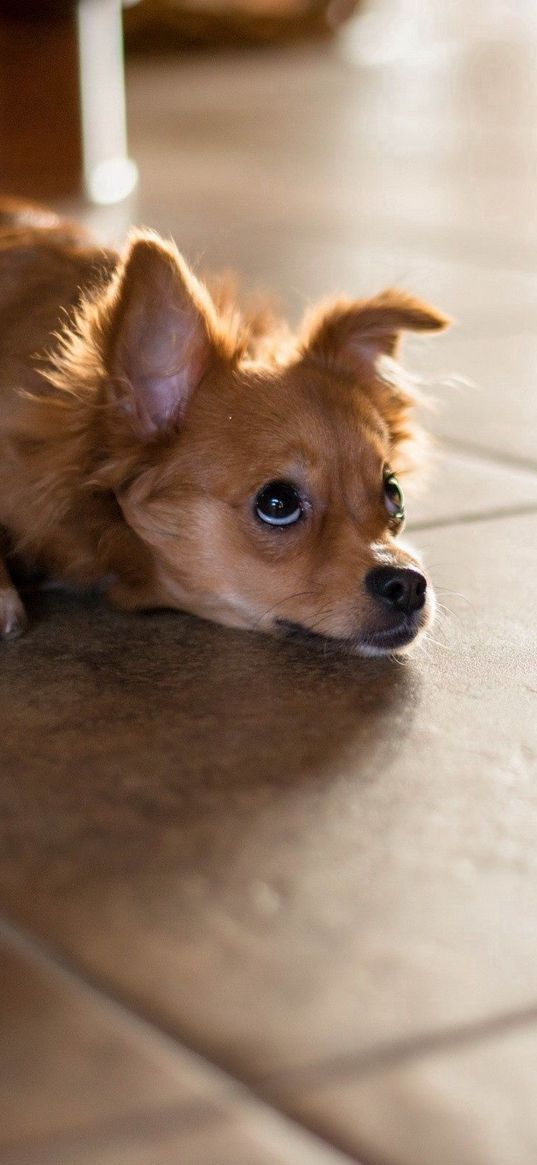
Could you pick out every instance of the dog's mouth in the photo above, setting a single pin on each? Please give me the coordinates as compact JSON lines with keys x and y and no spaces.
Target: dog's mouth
{"x":379,"y":642}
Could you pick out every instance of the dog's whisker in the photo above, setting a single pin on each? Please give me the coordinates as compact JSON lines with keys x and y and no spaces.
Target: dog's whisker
{"x":423,"y":650}
{"x":457,"y":594}
{"x":286,"y":599}
{"x":322,"y":613}
{"x":441,"y":620}
{"x":444,"y":615}
{"x":398,"y":659}
{"x":437,"y":643}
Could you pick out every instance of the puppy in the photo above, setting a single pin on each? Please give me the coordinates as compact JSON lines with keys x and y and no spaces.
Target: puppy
{"x":156,"y":442}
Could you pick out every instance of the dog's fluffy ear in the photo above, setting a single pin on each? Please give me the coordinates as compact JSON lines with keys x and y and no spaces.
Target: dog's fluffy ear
{"x":163,"y":335}
{"x":351,"y":335}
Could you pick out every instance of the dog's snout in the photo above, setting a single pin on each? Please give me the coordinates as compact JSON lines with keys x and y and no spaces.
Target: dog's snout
{"x":400,"y":587}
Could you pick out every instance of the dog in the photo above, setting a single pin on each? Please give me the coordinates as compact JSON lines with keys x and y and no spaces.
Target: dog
{"x":161,"y":445}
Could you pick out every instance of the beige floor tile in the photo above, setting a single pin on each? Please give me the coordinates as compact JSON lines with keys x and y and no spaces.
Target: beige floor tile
{"x":246,"y":1135}
{"x":472,"y":1103}
{"x":71,"y":1061}
{"x":242,"y":1132}
{"x":82,"y":1080}
{"x":498,"y":409}
{"x":459,"y":486}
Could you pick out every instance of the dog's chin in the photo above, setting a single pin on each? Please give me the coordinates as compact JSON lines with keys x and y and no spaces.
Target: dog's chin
{"x":386,"y":641}
{"x":396,"y":641}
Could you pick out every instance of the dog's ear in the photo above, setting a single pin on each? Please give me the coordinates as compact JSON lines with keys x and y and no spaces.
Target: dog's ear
{"x":351,"y":335}
{"x":163,"y":335}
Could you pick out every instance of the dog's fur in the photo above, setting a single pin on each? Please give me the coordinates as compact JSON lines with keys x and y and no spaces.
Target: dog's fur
{"x":139,"y":417}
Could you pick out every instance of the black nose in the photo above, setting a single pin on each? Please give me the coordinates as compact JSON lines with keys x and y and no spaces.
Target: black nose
{"x":399,"y":587}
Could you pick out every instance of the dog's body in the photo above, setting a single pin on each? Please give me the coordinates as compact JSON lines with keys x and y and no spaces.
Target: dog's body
{"x":181,"y":456}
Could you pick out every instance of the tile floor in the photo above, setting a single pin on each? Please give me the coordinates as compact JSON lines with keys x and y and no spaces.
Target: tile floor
{"x":260,"y":907}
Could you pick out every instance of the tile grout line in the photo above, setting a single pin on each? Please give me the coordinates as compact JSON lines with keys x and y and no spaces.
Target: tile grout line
{"x":110,"y":1131}
{"x":260,"y":1090}
{"x":472,"y":518}
{"x":485,"y":453}
{"x":406,"y":1050}
{"x":231,"y":1086}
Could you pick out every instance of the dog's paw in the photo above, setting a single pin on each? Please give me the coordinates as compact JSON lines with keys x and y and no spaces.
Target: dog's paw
{"x":13,"y":620}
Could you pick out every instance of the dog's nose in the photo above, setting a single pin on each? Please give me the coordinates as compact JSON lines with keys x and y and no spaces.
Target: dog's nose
{"x":398,"y":586}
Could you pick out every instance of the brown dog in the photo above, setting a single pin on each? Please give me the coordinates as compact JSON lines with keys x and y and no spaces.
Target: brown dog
{"x":182,"y":455}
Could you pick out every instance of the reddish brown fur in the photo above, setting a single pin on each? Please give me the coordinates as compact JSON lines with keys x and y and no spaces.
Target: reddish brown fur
{"x":133,"y":443}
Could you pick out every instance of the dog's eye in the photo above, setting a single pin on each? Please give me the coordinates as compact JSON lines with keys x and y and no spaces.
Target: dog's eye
{"x":393,"y":497}
{"x":278,"y":504}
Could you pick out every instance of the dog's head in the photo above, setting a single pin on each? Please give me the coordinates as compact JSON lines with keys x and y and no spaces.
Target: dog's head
{"x":265,"y":484}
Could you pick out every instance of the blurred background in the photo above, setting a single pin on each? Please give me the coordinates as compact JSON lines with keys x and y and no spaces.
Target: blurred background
{"x":313,"y":146}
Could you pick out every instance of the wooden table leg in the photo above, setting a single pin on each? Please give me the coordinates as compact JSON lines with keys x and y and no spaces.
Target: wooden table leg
{"x":62,"y":100}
